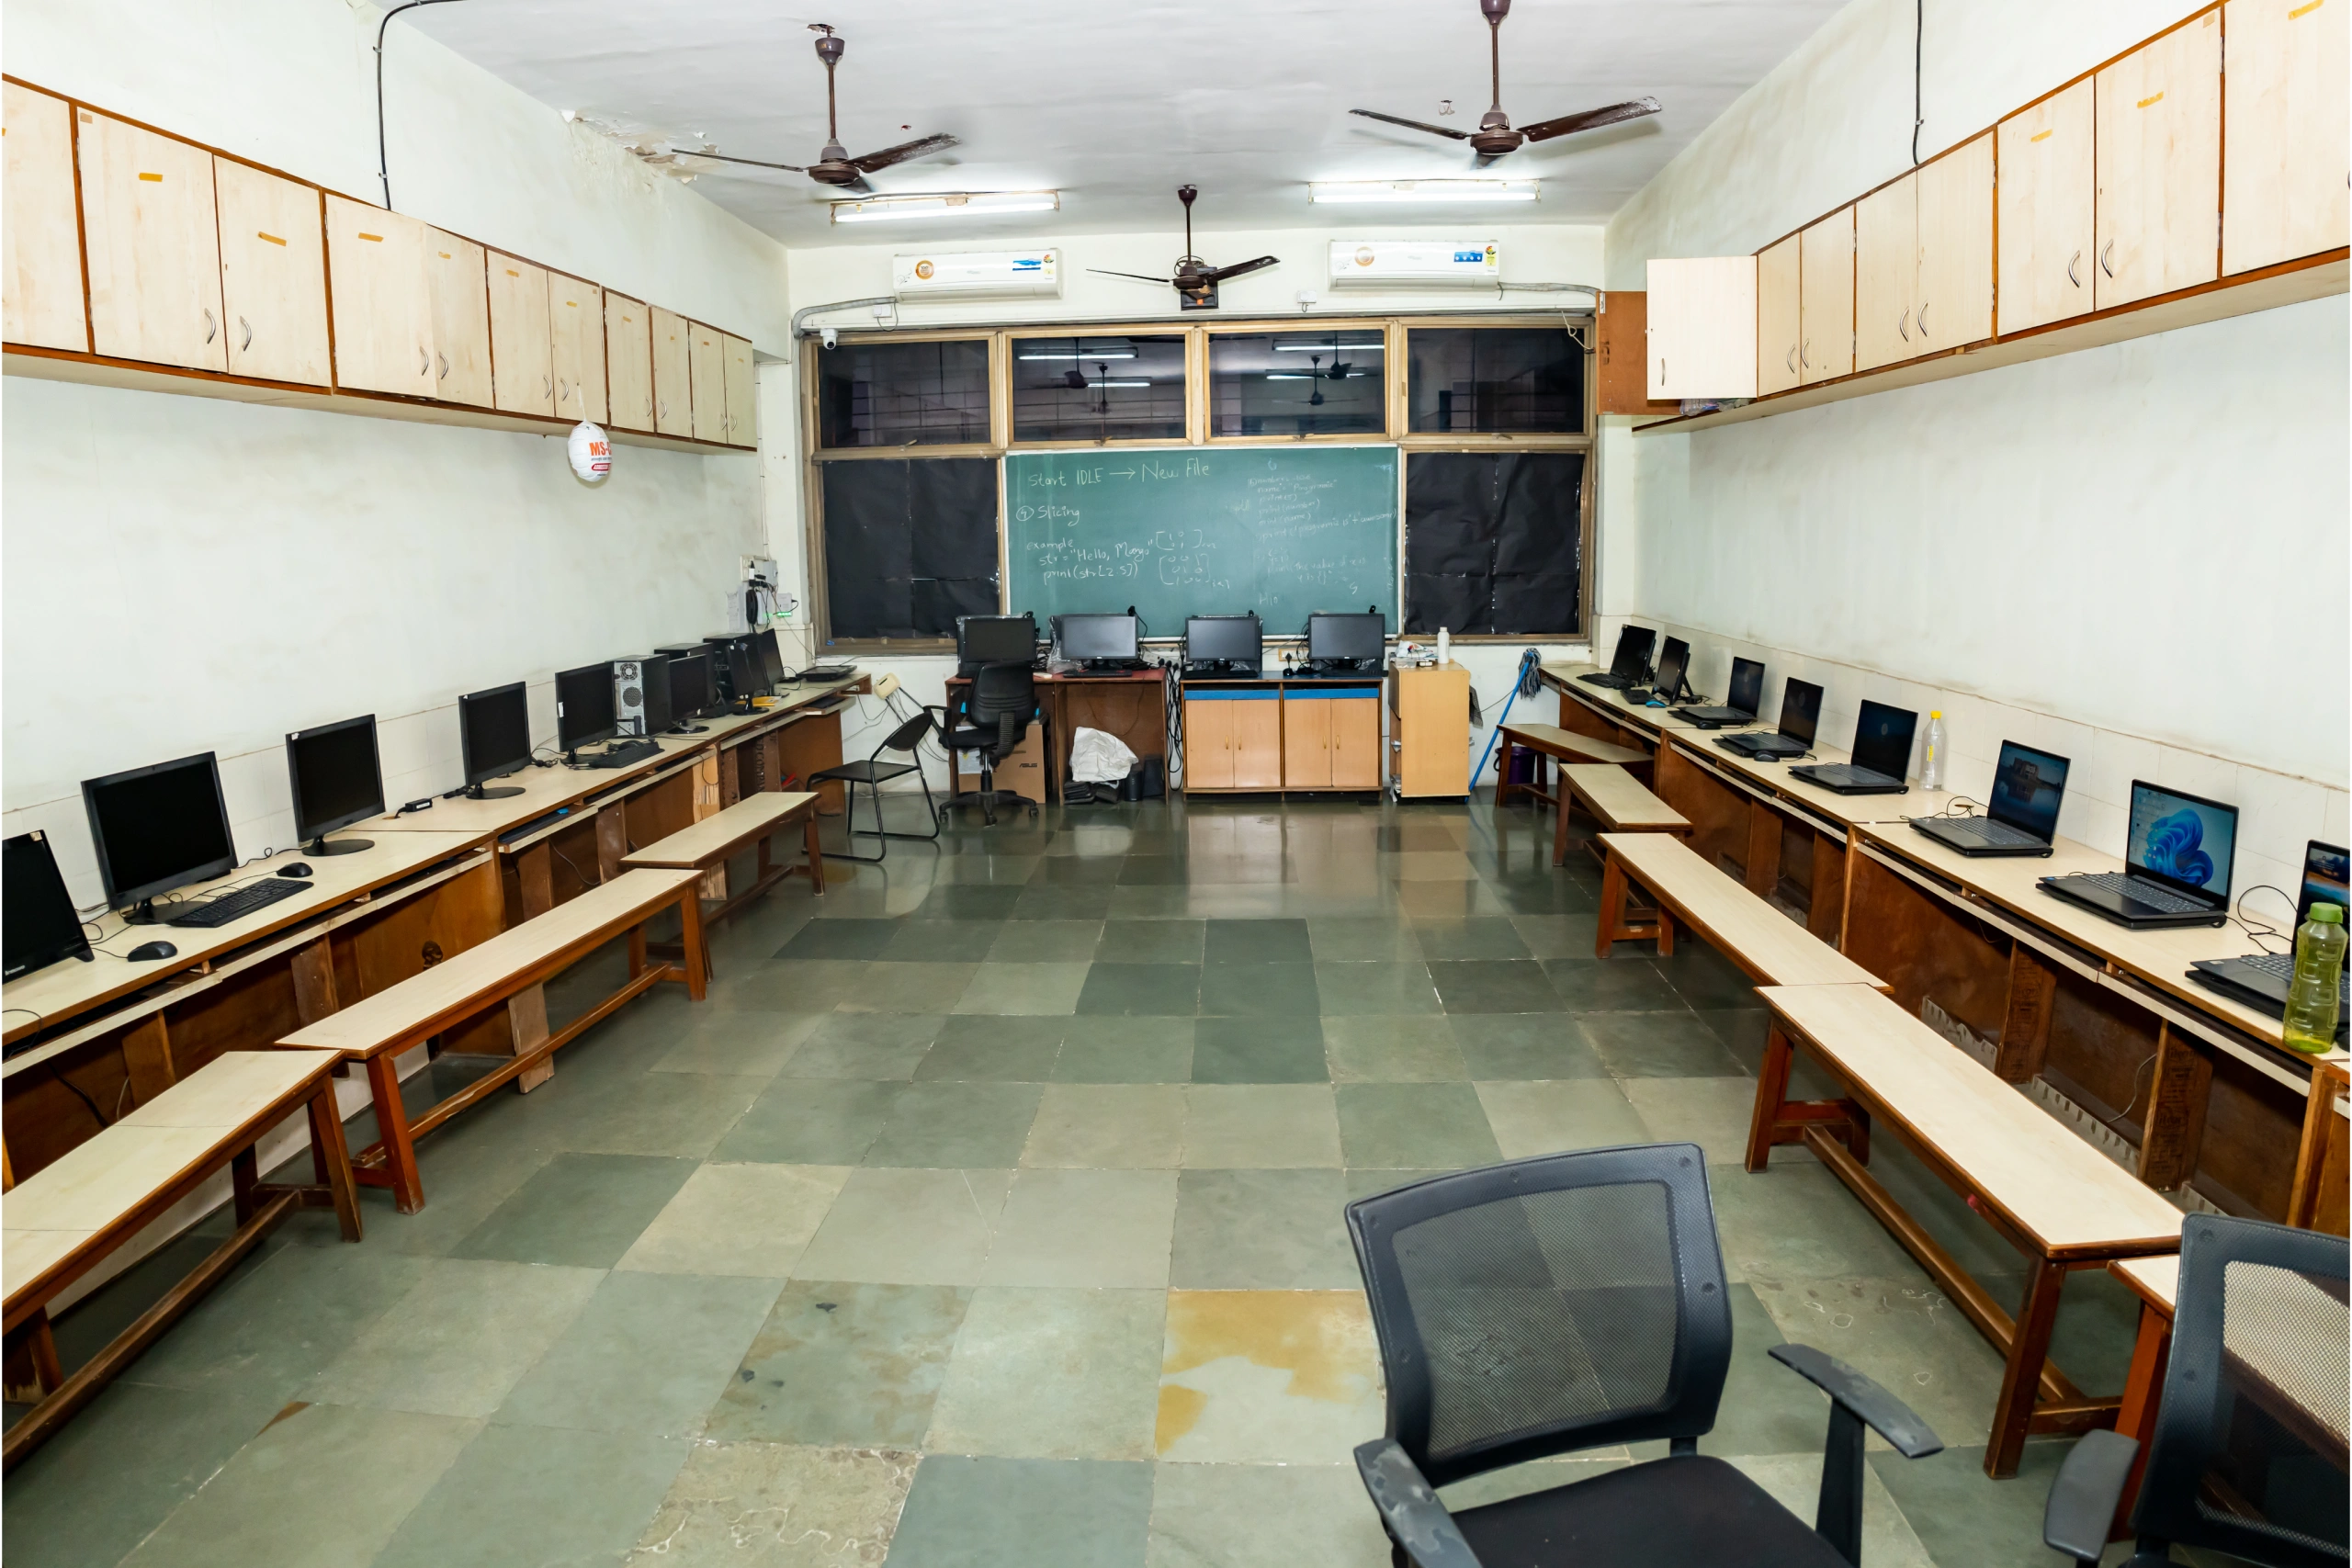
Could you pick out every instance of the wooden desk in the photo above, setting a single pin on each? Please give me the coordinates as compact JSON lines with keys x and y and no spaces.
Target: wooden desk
{"x":2058,"y":1200}
{"x":1770,"y":949}
{"x":1131,"y":704}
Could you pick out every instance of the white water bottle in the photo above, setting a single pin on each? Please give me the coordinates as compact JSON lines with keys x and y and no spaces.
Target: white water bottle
{"x":1444,"y":645}
{"x":1931,"y":753}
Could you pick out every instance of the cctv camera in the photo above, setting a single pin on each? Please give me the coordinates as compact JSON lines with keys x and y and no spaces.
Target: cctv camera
{"x":833,"y":339}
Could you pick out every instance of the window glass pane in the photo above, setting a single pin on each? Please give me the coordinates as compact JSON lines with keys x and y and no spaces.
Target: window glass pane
{"x":1464,"y":380}
{"x":1098,"y":389}
{"x":1326,"y":383}
{"x":894,"y":394}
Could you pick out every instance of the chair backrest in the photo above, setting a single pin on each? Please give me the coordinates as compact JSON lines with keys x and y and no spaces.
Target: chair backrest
{"x":1546,"y":1305}
{"x":2248,"y":1455}
{"x":1001,"y":688}
{"x":907,"y":737}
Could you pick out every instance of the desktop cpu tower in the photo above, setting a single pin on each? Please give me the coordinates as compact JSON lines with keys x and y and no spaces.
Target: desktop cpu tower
{"x":633,"y":678}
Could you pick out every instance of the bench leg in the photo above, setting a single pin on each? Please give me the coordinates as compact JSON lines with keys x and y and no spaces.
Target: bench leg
{"x":244,"y":1175}
{"x":2137,"y":1416}
{"x":1612,"y":906}
{"x":1664,"y":934}
{"x":1560,"y":819}
{"x":33,"y":1369}
{"x":332,"y":1159}
{"x":1771,"y":1092}
{"x":392,"y":1127}
{"x":2022,"y":1378}
{"x":696,"y":956}
{"x":816,"y":853}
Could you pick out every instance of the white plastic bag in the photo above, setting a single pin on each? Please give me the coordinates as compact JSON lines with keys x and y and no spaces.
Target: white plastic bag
{"x":1096,"y":758}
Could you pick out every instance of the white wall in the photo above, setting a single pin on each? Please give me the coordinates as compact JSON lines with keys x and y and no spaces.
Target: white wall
{"x":2142,"y":549}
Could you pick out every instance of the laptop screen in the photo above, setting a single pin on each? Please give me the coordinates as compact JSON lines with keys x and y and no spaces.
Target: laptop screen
{"x":2328,"y":876}
{"x":2027,"y":787}
{"x":1883,"y":739}
{"x":2181,"y":841}
{"x":1799,"y":710}
{"x":1672,"y":660}
{"x":1747,"y":685}
{"x":1632,"y":660}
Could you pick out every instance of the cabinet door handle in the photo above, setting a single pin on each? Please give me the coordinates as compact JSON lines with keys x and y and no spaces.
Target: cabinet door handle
{"x":424,"y":362}
{"x":249,"y":334}
{"x":1792,"y":360}
{"x":1923,"y":321}
{"x":1661,"y":372}
{"x":2070,"y":269}
{"x":2106,"y":258}
{"x":444,"y":366}
{"x":546,"y":387}
{"x":661,"y":407}
{"x":1804,"y":358}
{"x":1903,"y":326}
{"x":211,"y":327}
{"x":563,"y":393}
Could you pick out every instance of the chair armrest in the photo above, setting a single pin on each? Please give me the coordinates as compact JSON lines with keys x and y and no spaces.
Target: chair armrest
{"x":1417,"y":1521}
{"x":2082,"y":1499}
{"x":1855,"y":1390}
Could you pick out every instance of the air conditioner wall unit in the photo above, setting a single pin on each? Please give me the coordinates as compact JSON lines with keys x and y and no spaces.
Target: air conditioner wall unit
{"x":1029,"y":274}
{"x":1461,"y":262}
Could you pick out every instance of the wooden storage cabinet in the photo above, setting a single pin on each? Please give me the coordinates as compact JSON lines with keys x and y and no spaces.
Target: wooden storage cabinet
{"x":523,"y":369}
{"x":629,"y":362}
{"x":1953,"y":288}
{"x":1233,"y":740}
{"x":1429,"y":730}
{"x":40,"y":287}
{"x":2159,"y":155}
{"x":673,"y":396}
{"x":456,"y":275}
{"x":1330,"y":738}
{"x":273,"y":276}
{"x":382,"y":300}
{"x":1702,"y":328}
{"x":1826,"y":304}
{"x":1777,"y":318}
{"x":2286,"y":174}
{"x":1886,"y":242}
{"x":2047,"y":205}
{"x":154,"y":244}
{"x":707,"y":371}
{"x":576,"y":347}
{"x":741,"y":391}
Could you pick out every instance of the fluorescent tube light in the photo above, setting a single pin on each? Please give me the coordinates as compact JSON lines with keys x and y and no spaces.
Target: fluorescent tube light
{"x":1107,"y":353}
{"x":1420,"y":190}
{"x":1091,"y":385}
{"x":1326,"y":348}
{"x":957,"y":204}
{"x":1288,"y":376}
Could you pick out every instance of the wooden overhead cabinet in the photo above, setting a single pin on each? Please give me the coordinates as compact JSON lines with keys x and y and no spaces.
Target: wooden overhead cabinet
{"x":629,"y":362}
{"x":153,"y":246}
{"x":1778,"y":298}
{"x":1887,"y":269}
{"x":40,"y":289}
{"x":673,"y":393}
{"x":742,"y":391}
{"x":1954,"y":287}
{"x":707,"y":365}
{"x":273,"y":276}
{"x":1826,"y":307}
{"x":2160,"y":165}
{"x":1701,"y":327}
{"x":382,"y":300}
{"x":2047,"y":204}
{"x":2286,"y":174}
{"x":576,"y":347}
{"x":457,"y":271}
{"x":523,"y":374}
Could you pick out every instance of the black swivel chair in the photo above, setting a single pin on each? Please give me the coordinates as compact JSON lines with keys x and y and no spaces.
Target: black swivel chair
{"x":873,"y":772}
{"x":2248,"y":1454}
{"x":1572,"y":1302}
{"x":990,"y":715}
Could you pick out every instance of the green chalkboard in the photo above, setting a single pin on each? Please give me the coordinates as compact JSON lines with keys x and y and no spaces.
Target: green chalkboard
{"x":1283,"y":531}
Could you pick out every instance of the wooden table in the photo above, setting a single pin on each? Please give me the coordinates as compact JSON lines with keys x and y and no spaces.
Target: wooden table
{"x":1131,"y":704}
{"x":1770,"y":948}
{"x":2055,"y":1199}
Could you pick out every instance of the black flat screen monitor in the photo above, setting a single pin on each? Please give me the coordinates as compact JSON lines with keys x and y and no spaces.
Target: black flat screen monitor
{"x":583,"y":705}
{"x":1746,"y":686}
{"x":494,"y":738}
{"x":771,"y":657}
{"x":996,"y":640}
{"x":2183,"y":841}
{"x":1235,"y":641}
{"x":1883,"y":739}
{"x":1632,"y":658}
{"x":38,"y":923}
{"x":157,"y":829}
{"x":2027,"y":788}
{"x":1673,"y":662}
{"x":1096,"y":637}
{"x":337,"y":779}
{"x":1356,"y":640}
{"x":2328,"y":879}
{"x":694,"y":690}
{"x":1799,"y":710}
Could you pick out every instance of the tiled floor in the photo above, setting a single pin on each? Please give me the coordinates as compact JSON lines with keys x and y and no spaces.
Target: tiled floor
{"x":989,"y":1214}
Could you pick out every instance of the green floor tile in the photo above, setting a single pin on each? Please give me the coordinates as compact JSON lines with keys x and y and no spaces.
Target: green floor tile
{"x":1147,"y":989}
{"x":809,"y":1122}
{"x":1527,"y":1046}
{"x":974,"y":1048}
{"x":1658,"y":1044}
{"x":1361,"y":988}
{"x":1150,"y":942}
{"x":1393,"y":1048}
{"x":842,"y":1364}
{"x":1258,"y":1050}
{"x":1259,"y":942}
{"x":841,"y":938}
{"x":647,"y":1354}
{"x":958,"y":940}
{"x":1338,"y":939}
{"x":535,"y":1495}
{"x":578,"y":1209}
{"x":1127,"y":1050}
{"x":948,"y":1126}
{"x":1486,"y":937}
{"x":1258,"y":990}
{"x":1491,"y":985}
{"x":1261,"y":1230}
{"x":1025,"y":1513}
{"x":1046,"y":941}
{"x":866,"y":1045}
{"x":1431,"y":1126}
{"x":1624,"y":983}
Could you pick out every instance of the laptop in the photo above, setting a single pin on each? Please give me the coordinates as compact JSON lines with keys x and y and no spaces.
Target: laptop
{"x":1882,"y":755}
{"x":2178,"y":851}
{"x":1673,"y":659}
{"x":2020,"y":819}
{"x":1740,"y":706}
{"x":1800,"y":714}
{"x":2260,"y":979}
{"x":1632,"y":662}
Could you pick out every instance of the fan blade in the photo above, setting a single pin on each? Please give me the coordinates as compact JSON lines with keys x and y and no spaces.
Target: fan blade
{"x":873,"y":162}
{"x":1412,"y":124}
{"x":1590,"y":120}
{"x":1488,"y":160}
{"x":1139,"y":277}
{"x":754,"y":162}
{"x":856,"y":186}
{"x":1216,"y":275}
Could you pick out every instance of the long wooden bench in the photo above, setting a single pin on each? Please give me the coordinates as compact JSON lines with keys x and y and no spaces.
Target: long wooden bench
{"x":1769,"y":947}
{"x":1614,"y":799}
{"x":2059,"y":1201}
{"x":710,"y":843}
{"x":68,"y":1217}
{"x":1549,"y":741}
{"x":509,"y":967}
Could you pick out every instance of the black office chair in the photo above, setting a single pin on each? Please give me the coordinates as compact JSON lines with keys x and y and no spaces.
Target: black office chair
{"x":2248,"y":1454}
{"x":873,"y":772}
{"x":990,"y":715}
{"x":1573,"y":1302}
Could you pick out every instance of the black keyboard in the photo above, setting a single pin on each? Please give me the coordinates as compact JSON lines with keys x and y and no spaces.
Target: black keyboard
{"x":2141,"y":891}
{"x":2278,"y":966}
{"x":1984,"y":830}
{"x":819,"y":672}
{"x":227,"y":907}
{"x":1606,"y":679}
{"x":624,"y":754}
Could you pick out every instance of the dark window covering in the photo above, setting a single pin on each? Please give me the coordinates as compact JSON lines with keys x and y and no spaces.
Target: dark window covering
{"x":1472,"y":380}
{"x":900,"y":394}
{"x":1493,"y":542}
{"x":909,"y":546}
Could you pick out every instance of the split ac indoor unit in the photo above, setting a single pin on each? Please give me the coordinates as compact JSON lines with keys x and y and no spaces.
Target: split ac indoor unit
{"x":1416,"y":262}
{"x":1032,"y":273}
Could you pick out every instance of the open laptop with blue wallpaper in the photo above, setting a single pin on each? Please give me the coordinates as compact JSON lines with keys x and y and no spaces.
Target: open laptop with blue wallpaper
{"x":2178,"y":851}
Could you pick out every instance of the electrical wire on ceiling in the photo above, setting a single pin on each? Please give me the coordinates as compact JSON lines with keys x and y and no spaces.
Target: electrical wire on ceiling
{"x":383,"y":164}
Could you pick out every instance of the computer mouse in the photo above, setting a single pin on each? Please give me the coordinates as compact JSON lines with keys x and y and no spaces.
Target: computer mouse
{"x":297,"y":868}
{"x":148,"y":952}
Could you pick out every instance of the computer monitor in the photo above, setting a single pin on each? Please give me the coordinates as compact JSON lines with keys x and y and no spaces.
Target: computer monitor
{"x":995,"y":640}
{"x":493,"y":738}
{"x":1883,"y":739}
{"x":1347,"y":641}
{"x":737,"y":667}
{"x":2027,"y":787}
{"x":157,"y":829}
{"x":1746,"y":691}
{"x":1085,"y":638}
{"x":2328,"y":879}
{"x":584,"y":707}
{"x":2183,"y":841}
{"x":694,"y":690}
{"x":1633,"y":657}
{"x":39,"y":925}
{"x":337,"y":779}
{"x":1231,"y":642}
{"x":1673,"y":662}
{"x":1799,"y":710}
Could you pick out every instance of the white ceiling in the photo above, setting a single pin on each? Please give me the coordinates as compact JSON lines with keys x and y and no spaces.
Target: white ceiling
{"x":1116,"y":102}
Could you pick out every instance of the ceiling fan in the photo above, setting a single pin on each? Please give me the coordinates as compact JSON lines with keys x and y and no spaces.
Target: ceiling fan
{"x":834,"y":166}
{"x":1495,"y":138}
{"x":1195,"y":280}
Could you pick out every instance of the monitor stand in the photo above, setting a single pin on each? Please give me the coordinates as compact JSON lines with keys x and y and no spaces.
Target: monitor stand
{"x":682,"y":728}
{"x":142,"y":914}
{"x":482,"y":792}
{"x":322,"y":845}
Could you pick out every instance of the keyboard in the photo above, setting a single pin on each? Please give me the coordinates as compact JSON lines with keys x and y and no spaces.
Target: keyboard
{"x":624,"y":754}
{"x":1984,"y":830}
{"x":227,"y":907}
{"x":1606,"y":679}
{"x":2139,"y":891}
{"x":2278,"y":966}
{"x":818,"y":672}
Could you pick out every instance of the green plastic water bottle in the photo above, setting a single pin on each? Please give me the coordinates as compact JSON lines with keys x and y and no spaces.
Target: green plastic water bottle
{"x":2315,"y":994}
